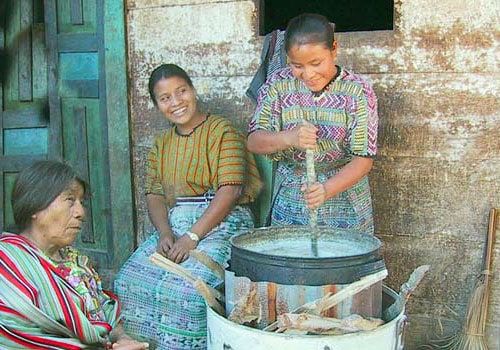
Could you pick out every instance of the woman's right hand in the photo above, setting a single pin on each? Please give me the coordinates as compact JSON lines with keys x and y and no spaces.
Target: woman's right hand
{"x":304,"y":136}
{"x":165,"y":243}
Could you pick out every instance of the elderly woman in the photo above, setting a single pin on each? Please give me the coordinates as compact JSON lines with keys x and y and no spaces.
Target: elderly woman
{"x":50,"y":297}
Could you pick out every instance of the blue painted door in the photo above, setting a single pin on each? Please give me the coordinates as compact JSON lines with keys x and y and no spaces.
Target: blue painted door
{"x":64,"y":96}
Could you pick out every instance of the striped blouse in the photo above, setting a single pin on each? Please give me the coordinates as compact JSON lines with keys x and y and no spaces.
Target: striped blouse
{"x":213,"y":155}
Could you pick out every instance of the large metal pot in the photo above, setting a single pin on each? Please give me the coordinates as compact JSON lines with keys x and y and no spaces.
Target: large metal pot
{"x":280,"y":263}
{"x":287,"y":255}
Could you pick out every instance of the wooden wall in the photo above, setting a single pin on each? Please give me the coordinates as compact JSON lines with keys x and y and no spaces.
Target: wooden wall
{"x":438,"y":170}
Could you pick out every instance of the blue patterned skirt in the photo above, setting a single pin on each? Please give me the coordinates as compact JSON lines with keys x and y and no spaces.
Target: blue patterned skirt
{"x":162,"y":308}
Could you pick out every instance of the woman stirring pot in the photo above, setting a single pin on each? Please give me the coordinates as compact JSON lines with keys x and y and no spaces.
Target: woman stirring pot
{"x":314,"y":104}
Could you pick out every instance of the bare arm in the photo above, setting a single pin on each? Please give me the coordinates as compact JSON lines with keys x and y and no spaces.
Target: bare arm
{"x":220,"y":206}
{"x":158,"y":214}
{"x":349,"y":175}
{"x":223,"y":202}
{"x":266,"y":142}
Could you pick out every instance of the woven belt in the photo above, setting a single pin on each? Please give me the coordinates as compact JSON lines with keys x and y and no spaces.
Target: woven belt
{"x":196,"y":199}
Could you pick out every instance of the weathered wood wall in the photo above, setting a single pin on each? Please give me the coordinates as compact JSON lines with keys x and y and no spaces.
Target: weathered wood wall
{"x":438,"y":172}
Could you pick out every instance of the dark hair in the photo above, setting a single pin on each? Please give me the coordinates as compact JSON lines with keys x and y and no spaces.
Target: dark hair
{"x":166,"y":71}
{"x":309,"y":28}
{"x":37,"y":186}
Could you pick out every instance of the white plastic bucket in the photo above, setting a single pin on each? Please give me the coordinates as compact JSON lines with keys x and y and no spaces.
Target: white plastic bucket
{"x":227,"y":335}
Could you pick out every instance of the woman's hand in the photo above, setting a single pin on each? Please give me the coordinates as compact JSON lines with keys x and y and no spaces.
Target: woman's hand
{"x":180,"y":250}
{"x":129,"y":344}
{"x":122,"y":341}
{"x":165,"y":243}
{"x":304,"y":136}
{"x":314,"y":195}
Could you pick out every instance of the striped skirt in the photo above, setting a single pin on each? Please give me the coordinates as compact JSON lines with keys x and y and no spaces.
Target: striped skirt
{"x":162,"y":308}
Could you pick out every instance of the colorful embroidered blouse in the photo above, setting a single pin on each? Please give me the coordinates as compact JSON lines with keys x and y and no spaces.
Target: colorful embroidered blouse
{"x":345,"y":114}
{"x":79,"y":273}
{"x":213,"y":155}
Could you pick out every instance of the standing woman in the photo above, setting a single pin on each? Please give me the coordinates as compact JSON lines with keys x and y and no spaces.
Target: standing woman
{"x":199,"y":179}
{"x":313,"y":104}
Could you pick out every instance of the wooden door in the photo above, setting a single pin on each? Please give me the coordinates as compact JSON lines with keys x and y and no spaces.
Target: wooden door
{"x":65,"y":97}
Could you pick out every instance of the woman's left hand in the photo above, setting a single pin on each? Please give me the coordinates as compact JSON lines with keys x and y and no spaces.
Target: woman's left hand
{"x":314,"y":195}
{"x":180,"y":250}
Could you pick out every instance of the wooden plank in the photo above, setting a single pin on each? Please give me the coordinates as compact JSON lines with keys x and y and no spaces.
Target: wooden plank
{"x":82,"y":42}
{"x":76,"y":12}
{"x":2,"y":31}
{"x":25,"y":118}
{"x":38,"y":12}
{"x":12,"y":28}
{"x":81,"y":164}
{"x":18,"y":142}
{"x":25,"y":73}
{"x":98,"y":172}
{"x":75,"y":145}
{"x":39,"y":63}
{"x":17,"y":163}
{"x":55,"y":143}
{"x":84,"y":142}
{"x":118,"y":131}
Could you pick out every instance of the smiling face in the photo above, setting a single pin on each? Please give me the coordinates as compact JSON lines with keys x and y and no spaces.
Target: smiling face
{"x":57,"y":226}
{"x":176,"y":99}
{"x":313,"y":64}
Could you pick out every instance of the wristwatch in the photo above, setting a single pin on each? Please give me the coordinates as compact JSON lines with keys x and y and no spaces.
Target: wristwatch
{"x":193,"y":236}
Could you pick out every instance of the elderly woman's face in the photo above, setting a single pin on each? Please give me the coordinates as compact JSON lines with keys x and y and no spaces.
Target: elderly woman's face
{"x":62,"y":220}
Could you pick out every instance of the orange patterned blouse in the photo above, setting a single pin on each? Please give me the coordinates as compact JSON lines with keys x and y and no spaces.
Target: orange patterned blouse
{"x":213,"y":155}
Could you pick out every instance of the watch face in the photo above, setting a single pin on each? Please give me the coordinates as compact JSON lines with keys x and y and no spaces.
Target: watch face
{"x":193,"y":236}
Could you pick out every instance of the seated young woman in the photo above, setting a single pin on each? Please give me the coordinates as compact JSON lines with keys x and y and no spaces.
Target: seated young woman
{"x":199,"y":181}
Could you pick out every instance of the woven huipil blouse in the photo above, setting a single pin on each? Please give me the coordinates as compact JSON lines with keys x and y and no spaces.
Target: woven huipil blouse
{"x":345,"y":114}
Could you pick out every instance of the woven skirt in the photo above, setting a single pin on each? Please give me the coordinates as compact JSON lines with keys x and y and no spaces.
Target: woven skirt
{"x":350,"y":210}
{"x":162,"y":308}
